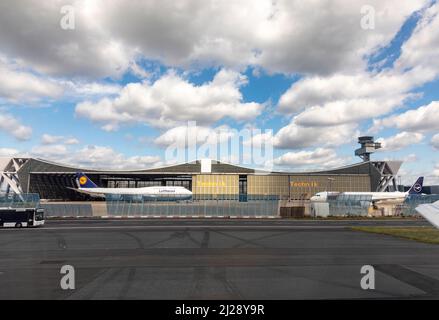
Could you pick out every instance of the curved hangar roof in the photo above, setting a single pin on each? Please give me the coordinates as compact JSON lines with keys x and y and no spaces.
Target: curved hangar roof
{"x":32,"y":165}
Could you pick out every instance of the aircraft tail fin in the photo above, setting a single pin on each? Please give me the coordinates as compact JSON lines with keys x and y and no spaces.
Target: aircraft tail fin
{"x":84,"y":181}
{"x":416,"y":188}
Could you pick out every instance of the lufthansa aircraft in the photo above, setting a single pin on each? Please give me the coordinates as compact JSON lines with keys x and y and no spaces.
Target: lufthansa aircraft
{"x":416,"y":188}
{"x":154,"y":193}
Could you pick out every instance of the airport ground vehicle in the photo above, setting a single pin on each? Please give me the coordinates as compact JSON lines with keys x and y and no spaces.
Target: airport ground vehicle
{"x":21,"y":217}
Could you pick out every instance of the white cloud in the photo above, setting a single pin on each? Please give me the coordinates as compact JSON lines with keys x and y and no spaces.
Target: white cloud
{"x":419,"y":55}
{"x":400,"y":141}
{"x":351,"y":97}
{"x":411,"y":158}
{"x":106,"y":157}
{"x":341,"y":98}
{"x":81,"y":89}
{"x":70,"y":141}
{"x":407,"y":175}
{"x":183,"y":136}
{"x":420,"y":50}
{"x":21,"y":86}
{"x":361,"y":88}
{"x":51,"y":139}
{"x":139,"y":71}
{"x":172,"y":100}
{"x":320,"y":157}
{"x":91,"y":156}
{"x":110,"y":35}
{"x":38,"y":40}
{"x":8,"y":152}
{"x":322,"y":41}
{"x":435,"y":141}
{"x":187,"y":143}
{"x":10,"y":125}
{"x":49,"y":151}
{"x":268,"y":34}
{"x":421,"y":119}
{"x":294,"y":136}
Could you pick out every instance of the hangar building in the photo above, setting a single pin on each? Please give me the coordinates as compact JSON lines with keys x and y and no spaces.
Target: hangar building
{"x":207,"y":179}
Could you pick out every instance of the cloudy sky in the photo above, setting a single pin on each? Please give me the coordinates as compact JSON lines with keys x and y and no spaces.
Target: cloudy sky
{"x":119,"y":87}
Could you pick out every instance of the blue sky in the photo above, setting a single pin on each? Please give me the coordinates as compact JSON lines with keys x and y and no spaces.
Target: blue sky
{"x":118,"y":87}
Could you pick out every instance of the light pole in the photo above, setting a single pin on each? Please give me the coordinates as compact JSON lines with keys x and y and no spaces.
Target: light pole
{"x":330,"y":183}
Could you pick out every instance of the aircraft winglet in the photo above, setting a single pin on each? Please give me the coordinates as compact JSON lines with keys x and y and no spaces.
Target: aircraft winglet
{"x":430,"y":211}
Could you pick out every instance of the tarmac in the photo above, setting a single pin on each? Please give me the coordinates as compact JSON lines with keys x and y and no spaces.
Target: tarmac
{"x":215,"y":259}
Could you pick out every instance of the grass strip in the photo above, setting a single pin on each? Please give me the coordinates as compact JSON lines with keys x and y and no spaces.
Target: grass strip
{"x":421,"y":234}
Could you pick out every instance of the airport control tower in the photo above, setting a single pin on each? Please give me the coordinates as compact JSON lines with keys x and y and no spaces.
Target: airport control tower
{"x":368,"y":146}
{"x":385,"y":170}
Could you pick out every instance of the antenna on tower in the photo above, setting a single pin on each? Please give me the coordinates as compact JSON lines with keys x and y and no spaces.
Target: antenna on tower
{"x":368,"y":146}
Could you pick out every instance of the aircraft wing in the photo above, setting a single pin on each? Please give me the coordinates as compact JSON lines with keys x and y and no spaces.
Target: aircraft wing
{"x":430,"y":211}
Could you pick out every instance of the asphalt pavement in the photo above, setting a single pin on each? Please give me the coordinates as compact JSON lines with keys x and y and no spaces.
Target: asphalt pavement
{"x":215,"y":259}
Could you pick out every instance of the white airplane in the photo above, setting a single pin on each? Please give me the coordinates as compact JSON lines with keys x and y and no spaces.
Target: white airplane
{"x":154,"y":193}
{"x":416,"y":188}
{"x":430,"y":211}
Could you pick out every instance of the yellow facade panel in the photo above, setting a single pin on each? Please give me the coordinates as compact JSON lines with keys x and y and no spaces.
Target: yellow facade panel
{"x":215,"y":184}
{"x":268,"y":185}
{"x":293,"y":186}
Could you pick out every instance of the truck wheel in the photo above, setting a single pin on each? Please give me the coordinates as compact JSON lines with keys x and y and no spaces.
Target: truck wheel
{"x":18,"y":225}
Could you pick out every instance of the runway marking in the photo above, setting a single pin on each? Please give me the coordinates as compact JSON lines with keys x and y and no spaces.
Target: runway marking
{"x":181,"y":227}
{"x":221,"y":218}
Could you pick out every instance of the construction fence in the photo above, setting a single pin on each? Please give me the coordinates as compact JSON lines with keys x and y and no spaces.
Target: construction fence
{"x":362,"y":206}
{"x":133,"y":206}
{"x":205,"y":206}
{"x":223,"y":206}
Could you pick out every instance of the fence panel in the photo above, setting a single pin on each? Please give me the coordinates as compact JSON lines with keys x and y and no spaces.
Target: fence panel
{"x":207,"y":205}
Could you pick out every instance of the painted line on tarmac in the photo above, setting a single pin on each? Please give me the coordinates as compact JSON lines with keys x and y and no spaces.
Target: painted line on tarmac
{"x":180,"y":227}
{"x":196,"y":226}
{"x":221,"y":218}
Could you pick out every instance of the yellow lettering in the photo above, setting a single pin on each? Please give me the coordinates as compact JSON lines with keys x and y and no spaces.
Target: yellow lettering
{"x":212,"y":184}
{"x":304,"y":184}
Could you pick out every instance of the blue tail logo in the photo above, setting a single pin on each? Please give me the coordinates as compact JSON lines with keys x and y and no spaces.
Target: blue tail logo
{"x":84,"y":181}
{"x":417,"y":186}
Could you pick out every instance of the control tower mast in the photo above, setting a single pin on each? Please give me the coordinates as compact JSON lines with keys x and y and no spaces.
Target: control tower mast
{"x":368,"y":146}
